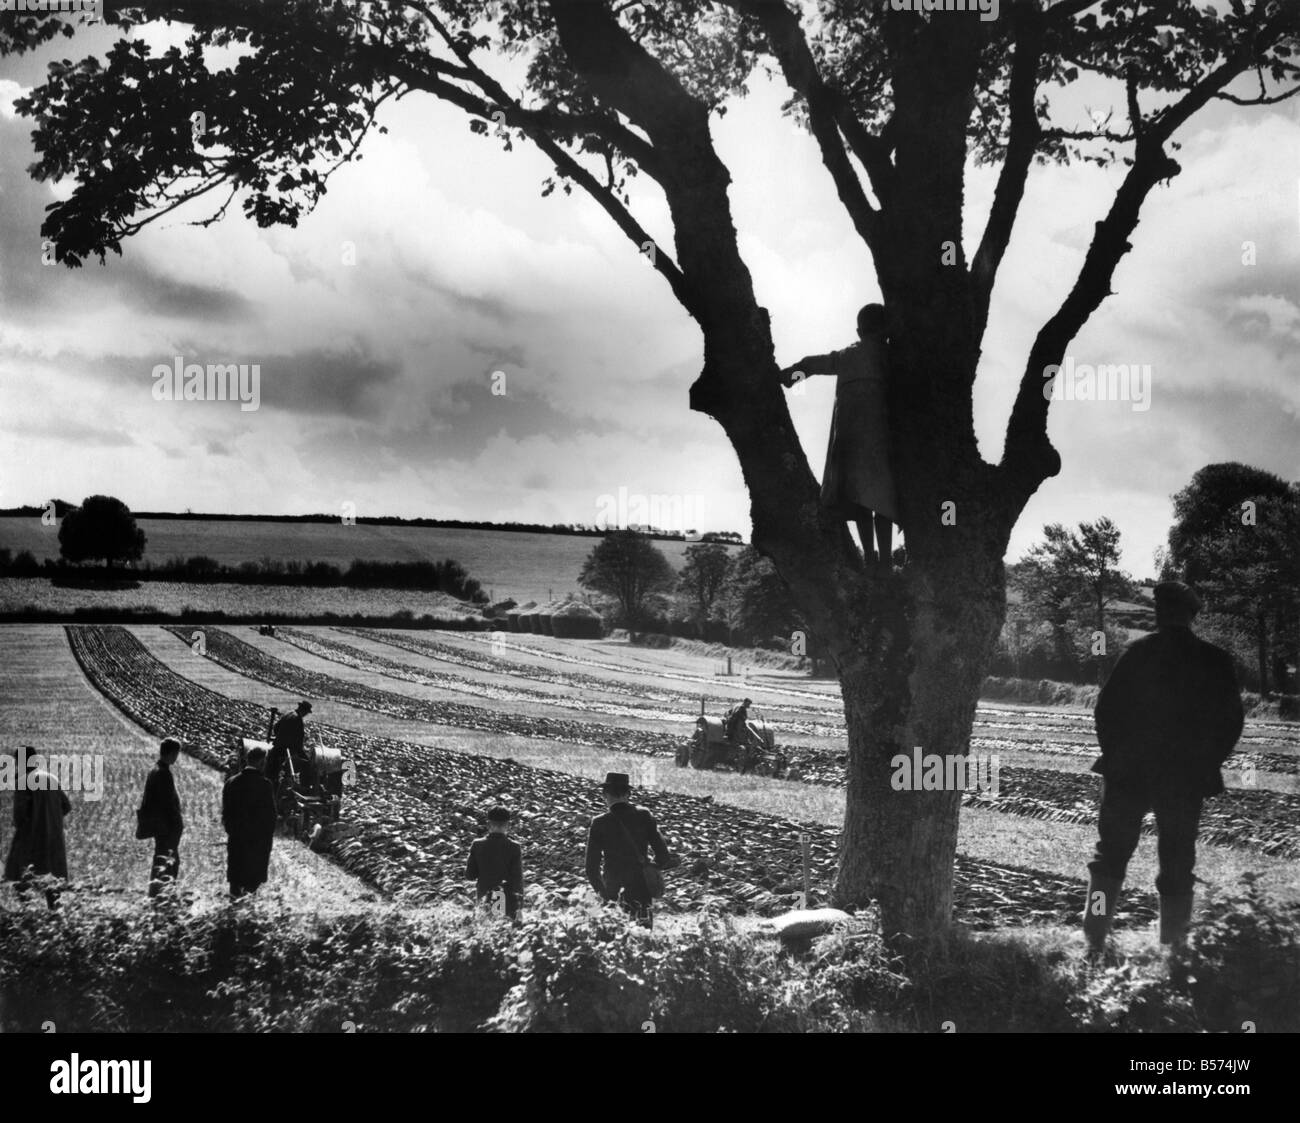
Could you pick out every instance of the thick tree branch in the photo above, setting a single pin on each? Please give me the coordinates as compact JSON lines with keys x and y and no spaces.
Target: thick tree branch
{"x":1028,"y":457}
{"x":1022,"y":142}
{"x":830,"y":117}
{"x":738,"y":386}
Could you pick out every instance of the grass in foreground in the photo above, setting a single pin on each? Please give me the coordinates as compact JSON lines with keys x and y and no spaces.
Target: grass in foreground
{"x":260,"y":966}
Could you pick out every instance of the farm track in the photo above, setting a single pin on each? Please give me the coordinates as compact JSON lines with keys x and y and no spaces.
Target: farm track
{"x":414,"y":809}
{"x":1260,"y":821}
{"x":1067,"y":734}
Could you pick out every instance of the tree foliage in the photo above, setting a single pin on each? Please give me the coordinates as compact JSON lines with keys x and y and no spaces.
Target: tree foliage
{"x":1067,"y":581}
{"x":1236,"y":535}
{"x":102,"y":527}
{"x":702,"y":578}
{"x":629,"y":568}
{"x":756,"y":601}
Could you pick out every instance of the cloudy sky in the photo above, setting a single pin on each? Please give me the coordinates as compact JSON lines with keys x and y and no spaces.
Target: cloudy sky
{"x":377,"y":362}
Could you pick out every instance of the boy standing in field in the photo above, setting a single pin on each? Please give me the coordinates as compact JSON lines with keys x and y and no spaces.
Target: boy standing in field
{"x":160,"y":814}
{"x":496,"y":864}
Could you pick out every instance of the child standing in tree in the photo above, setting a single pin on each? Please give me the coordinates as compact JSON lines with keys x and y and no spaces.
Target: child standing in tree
{"x":858,"y":483}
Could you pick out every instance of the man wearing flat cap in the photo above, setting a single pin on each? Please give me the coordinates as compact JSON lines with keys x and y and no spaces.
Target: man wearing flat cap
{"x":1167,"y":718}
{"x":288,"y":740}
{"x":616,"y":850}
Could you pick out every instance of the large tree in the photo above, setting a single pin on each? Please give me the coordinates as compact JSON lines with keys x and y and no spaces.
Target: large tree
{"x":702,"y":579}
{"x":756,"y":603}
{"x":628,"y":568}
{"x":900,"y":105}
{"x":1236,"y":534}
{"x":1067,"y":581}
{"x":102,"y":527}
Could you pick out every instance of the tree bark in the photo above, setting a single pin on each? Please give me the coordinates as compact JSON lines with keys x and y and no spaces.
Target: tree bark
{"x":1261,"y":650}
{"x":927,"y":637}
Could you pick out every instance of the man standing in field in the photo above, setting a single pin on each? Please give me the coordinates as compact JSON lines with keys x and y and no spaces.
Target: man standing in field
{"x":160,"y":813}
{"x":248,"y":814}
{"x":38,"y":849}
{"x":288,"y":741}
{"x":1167,"y":718}
{"x":620,"y":838}
{"x":496,"y":864}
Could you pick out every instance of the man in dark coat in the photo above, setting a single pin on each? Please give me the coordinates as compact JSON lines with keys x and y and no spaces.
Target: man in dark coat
{"x":248,"y":814}
{"x":1167,"y":718}
{"x":289,"y":739}
{"x":620,"y":837}
{"x":496,"y":864}
{"x":161,"y":810}
{"x":38,"y":848}
{"x":737,"y":727}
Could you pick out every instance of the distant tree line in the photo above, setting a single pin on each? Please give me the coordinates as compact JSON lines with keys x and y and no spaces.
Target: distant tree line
{"x":1071,"y":609}
{"x":719,"y":596}
{"x":104,"y":529}
{"x":446,"y":576}
{"x":62,"y":507}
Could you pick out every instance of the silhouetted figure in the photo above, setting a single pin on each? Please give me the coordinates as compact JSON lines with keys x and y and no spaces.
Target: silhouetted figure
{"x":248,"y":814}
{"x":38,"y":848}
{"x":616,"y":850}
{"x":496,"y":865}
{"x":858,"y":484}
{"x":1167,"y":719}
{"x":160,"y":812}
{"x":737,"y":726}
{"x":289,"y":740}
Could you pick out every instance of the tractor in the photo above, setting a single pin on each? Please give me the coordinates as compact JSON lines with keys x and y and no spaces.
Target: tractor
{"x":309,"y":796}
{"x":752,"y":750}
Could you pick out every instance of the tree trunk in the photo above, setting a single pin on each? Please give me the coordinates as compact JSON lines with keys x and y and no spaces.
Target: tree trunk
{"x":1261,"y":650}
{"x":915,"y":685}
{"x":1279,"y":654}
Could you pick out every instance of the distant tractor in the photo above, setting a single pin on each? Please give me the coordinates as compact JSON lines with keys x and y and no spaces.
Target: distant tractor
{"x":753,"y":749}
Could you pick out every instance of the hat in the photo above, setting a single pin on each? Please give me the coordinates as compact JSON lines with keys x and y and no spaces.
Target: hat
{"x":1173,"y":597}
{"x":304,"y":707}
{"x":616,"y":783}
{"x":498,"y":814}
{"x":748,"y":702}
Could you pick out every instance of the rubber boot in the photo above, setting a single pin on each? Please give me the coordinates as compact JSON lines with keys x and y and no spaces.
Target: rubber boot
{"x":1098,"y":910}
{"x":1175,"y":916}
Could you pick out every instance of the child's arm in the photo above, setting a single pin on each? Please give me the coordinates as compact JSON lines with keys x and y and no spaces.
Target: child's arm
{"x":471,"y":866}
{"x":831,"y":363}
